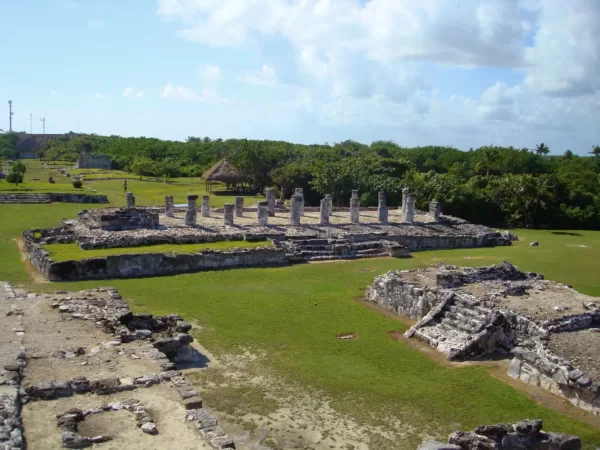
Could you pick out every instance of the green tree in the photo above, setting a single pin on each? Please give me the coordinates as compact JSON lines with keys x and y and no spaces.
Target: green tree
{"x":488,"y":156}
{"x":596,"y":151}
{"x":568,"y":154}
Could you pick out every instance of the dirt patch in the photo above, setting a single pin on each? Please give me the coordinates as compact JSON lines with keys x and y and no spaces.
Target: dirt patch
{"x":363,"y":270}
{"x":585,"y":344}
{"x":347,"y":336}
{"x":162,"y":401}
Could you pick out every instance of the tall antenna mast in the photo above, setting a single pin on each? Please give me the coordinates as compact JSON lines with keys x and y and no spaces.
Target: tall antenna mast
{"x":30,"y":123}
{"x":43,"y":120}
{"x":10,"y":114}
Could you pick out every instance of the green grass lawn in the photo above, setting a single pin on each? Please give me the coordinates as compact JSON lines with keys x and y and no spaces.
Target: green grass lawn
{"x":67,"y":252}
{"x":293,"y":314}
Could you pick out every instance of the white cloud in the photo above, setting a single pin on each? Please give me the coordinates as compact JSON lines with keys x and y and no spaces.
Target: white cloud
{"x":211,"y":74}
{"x":132,"y":93}
{"x":53,"y":93}
{"x":175,"y":92}
{"x":99,"y":95}
{"x":265,"y":76}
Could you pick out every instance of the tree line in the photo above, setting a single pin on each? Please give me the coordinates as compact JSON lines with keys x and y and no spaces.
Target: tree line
{"x":500,"y":186}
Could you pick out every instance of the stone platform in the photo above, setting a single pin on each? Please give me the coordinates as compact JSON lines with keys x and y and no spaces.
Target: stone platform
{"x":469,"y":313}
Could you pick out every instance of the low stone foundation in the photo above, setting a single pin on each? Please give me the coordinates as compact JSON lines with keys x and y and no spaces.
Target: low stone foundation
{"x":52,"y":198}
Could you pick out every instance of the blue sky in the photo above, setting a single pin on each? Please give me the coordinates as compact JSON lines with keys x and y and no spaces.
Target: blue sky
{"x":464,"y":72}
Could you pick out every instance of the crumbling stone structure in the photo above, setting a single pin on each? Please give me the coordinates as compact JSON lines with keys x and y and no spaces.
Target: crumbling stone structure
{"x":169,"y":206}
{"x":405,"y":194}
{"x":354,"y":208}
{"x":191,"y":212}
{"x":271,"y":198}
{"x":300,"y":192}
{"x":119,"y":219}
{"x":435,"y":209}
{"x":329,"y":204}
{"x":382,"y":209}
{"x":463,"y":325}
{"x":296,"y":209}
{"x":523,"y":435}
{"x":263,"y":213}
{"x":88,"y":161}
{"x":239,"y":207}
{"x":130,"y":198}
{"x":324,"y":212}
{"x":228,"y":214}
{"x":409,"y":211}
{"x":205,"y":210}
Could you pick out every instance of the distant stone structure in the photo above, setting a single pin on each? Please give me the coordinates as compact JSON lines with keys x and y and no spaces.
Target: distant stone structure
{"x":228,"y":214}
{"x":263,"y":213}
{"x":28,"y":144}
{"x":405,"y":194}
{"x":300,"y":192}
{"x":324,"y":217}
{"x":88,"y":161}
{"x":239,"y":207}
{"x":435,"y":209}
{"x":271,"y":201}
{"x":329,"y":201}
{"x":130,"y":198}
{"x":296,"y":209}
{"x":169,"y":206}
{"x":205,"y":211}
{"x":382,"y":209}
{"x":354,"y":208}
{"x":409,"y":211}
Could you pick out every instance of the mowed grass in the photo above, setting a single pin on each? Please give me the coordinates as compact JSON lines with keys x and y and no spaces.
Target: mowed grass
{"x":293,"y":314}
{"x":68,"y":252}
{"x":148,"y":192}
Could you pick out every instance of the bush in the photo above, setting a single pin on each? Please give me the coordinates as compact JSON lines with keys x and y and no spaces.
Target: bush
{"x":15,"y":177}
{"x":77,"y":184}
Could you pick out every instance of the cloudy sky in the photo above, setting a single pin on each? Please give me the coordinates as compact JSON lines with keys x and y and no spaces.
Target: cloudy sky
{"x":464,"y":73}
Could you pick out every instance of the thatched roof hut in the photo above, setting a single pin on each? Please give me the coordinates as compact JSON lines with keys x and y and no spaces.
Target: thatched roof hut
{"x":223,"y":172}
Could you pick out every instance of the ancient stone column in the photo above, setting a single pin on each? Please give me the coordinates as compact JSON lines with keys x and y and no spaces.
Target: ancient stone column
{"x":296,"y":209}
{"x":228,"y":214}
{"x":190,"y":214}
{"x":409,"y":215}
{"x":263,"y":213}
{"x":405,"y":194}
{"x":169,"y":206}
{"x":239,"y":207}
{"x":329,"y":200}
{"x":130,"y":200}
{"x":382,"y":209}
{"x":205,"y":210}
{"x":324,"y":219}
{"x":300,"y":192}
{"x":354,"y":209}
{"x":355,"y":193}
{"x":271,"y":201}
{"x":435,"y":209}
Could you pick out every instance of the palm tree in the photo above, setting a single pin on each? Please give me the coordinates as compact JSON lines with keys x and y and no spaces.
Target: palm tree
{"x":596,"y":151}
{"x":488,"y":156}
{"x":568,"y":154}
{"x":542,"y":149}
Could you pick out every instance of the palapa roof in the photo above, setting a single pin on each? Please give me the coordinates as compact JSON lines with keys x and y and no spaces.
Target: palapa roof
{"x":224,"y":172}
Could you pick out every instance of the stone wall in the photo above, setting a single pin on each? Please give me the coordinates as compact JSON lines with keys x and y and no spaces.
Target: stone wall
{"x":150,"y":264}
{"x":87,"y":161}
{"x":52,"y":198}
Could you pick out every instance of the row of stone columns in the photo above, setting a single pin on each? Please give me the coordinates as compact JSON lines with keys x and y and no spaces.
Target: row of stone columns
{"x":266,"y":208}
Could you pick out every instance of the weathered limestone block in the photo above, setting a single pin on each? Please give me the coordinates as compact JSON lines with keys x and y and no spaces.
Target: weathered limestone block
{"x":409,"y":213}
{"x":239,"y":207}
{"x":130,"y":200}
{"x":169,"y":206}
{"x":191,"y":213}
{"x":205,"y":209}
{"x":300,"y":192}
{"x":382,"y":209}
{"x":324,"y":217}
{"x":263,"y":213}
{"x":354,"y":208}
{"x":405,"y":194}
{"x":271,"y":201}
{"x":435,"y":209}
{"x":296,"y":208}
{"x":228,"y":214}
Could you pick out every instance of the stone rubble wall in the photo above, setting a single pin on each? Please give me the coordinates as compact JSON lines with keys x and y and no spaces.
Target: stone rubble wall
{"x":527,"y":341}
{"x":525,"y":435}
{"x":52,"y":198}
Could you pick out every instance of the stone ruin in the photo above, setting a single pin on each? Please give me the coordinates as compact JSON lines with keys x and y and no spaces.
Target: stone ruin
{"x":163,"y":340}
{"x":469,"y":313}
{"x":119,"y":219}
{"x":523,"y":435}
{"x":88,"y":161}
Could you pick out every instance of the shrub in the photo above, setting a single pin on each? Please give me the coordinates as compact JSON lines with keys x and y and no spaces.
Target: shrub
{"x":77,"y":184}
{"x":15,"y":177}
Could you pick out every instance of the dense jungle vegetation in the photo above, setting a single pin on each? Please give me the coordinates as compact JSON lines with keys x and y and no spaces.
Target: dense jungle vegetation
{"x":492,"y":185}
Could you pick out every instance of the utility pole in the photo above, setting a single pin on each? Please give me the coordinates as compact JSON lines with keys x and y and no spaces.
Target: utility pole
{"x":10,"y":114}
{"x":43,"y":120}
{"x":30,"y":123}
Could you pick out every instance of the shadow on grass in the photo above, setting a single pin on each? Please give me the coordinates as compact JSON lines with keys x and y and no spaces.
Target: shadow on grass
{"x":565,"y":233}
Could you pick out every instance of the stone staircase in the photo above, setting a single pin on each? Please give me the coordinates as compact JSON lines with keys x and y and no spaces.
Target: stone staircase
{"x":463,"y":329}
{"x":315,"y":249}
{"x":25,"y":198}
